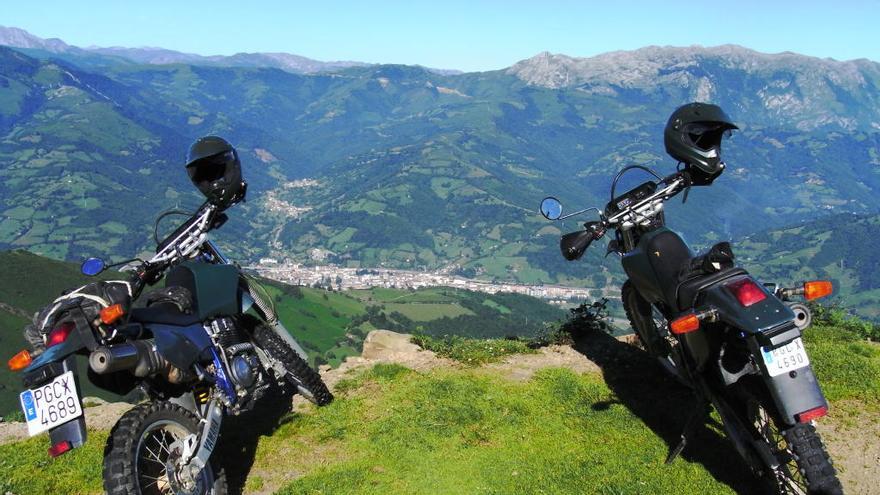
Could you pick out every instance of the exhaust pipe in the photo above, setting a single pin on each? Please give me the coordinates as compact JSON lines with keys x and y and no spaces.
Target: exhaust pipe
{"x":112,"y":358}
{"x":139,"y":357}
{"x":802,"y":315}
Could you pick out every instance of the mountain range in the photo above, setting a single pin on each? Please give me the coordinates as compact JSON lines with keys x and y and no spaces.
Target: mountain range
{"x":392,"y":165}
{"x":102,"y":56}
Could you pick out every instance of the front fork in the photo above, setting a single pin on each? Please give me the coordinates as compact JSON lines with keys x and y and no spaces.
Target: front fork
{"x":196,"y":449}
{"x":251,"y":298}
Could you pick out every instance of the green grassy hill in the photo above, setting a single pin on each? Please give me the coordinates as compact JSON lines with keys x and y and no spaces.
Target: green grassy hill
{"x":840,"y":248}
{"x":470,"y":429}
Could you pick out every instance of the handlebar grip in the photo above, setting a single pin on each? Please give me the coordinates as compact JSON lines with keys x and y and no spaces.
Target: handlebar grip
{"x":574,"y":245}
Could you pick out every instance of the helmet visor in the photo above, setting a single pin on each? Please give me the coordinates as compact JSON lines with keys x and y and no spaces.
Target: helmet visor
{"x":706,"y":135}
{"x":211,"y":168}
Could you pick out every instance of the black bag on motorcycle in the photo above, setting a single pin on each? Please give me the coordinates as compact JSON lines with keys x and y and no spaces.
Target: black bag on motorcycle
{"x":111,"y":292}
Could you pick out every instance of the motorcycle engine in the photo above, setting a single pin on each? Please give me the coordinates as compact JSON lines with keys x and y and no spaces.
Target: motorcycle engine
{"x":245,"y":370}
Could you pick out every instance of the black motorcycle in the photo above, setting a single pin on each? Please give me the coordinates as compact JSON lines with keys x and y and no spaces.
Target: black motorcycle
{"x":734,"y":341}
{"x":208,"y":345}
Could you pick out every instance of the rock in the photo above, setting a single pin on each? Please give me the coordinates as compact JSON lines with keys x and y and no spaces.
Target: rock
{"x":94,"y":401}
{"x":385,"y":344}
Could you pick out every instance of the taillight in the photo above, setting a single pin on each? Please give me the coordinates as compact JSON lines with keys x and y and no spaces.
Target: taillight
{"x":807,"y":416}
{"x":747,"y":292}
{"x":817,"y":289}
{"x":111,"y":314}
{"x":685,"y":324}
{"x":60,"y":333}
{"x":20,"y":361}
{"x":60,"y":448}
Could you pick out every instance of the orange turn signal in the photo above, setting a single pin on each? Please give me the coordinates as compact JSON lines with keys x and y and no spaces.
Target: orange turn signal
{"x":111,"y":314}
{"x":816,"y":289}
{"x":20,"y":361}
{"x":685,"y":324}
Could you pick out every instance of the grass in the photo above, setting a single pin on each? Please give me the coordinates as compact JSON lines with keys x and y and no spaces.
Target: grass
{"x":26,"y":468}
{"x":457,"y":432}
{"x":434,"y":295}
{"x":463,"y":430}
{"x":847,"y":366}
{"x":45,"y":279}
{"x":472,"y":351}
{"x":428,"y":311}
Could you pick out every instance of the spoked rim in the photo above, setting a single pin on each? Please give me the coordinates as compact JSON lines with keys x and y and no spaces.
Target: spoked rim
{"x":659,"y":319}
{"x":788,"y":477}
{"x":152,"y":459}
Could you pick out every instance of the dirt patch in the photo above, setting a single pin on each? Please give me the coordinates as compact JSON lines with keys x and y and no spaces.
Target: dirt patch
{"x":381,"y":346}
{"x":521,"y":367}
{"x":854,"y":444}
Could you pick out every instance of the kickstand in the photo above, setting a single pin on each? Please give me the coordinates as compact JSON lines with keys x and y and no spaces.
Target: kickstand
{"x":700,"y":413}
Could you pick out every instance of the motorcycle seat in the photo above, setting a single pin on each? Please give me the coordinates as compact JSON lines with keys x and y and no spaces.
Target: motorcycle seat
{"x":164,"y":314}
{"x":688,"y":290}
{"x":715,"y":259}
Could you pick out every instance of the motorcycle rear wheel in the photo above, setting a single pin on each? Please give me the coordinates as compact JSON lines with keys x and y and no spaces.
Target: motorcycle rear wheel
{"x":645,"y":320}
{"x":805,"y":467}
{"x":138,"y":451}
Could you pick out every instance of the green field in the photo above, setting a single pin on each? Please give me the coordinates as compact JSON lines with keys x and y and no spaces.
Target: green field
{"x":421,"y":312}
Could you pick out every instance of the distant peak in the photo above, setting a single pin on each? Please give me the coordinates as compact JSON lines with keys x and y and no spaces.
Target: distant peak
{"x":644,"y":66}
{"x":19,"y":38}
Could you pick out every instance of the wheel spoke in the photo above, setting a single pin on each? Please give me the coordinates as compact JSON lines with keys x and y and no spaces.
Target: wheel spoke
{"x":788,"y":475}
{"x":164,"y":444}
{"x":153,"y":456}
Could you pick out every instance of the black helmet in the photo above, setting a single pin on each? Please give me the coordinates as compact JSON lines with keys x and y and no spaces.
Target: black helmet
{"x":213,"y":166}
{"x":693,"y":137}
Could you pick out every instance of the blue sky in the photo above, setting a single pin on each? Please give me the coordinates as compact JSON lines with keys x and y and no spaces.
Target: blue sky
{"x":458,"y":34}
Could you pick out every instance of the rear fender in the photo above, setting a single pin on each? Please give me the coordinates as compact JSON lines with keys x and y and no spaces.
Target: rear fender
{"x":793,"y":392}
{"x":72,"y":431}
{"x":57,"y":353}
{"x":81,"y":338}
{"x":757,"y":319}
{"x":766,"y":325}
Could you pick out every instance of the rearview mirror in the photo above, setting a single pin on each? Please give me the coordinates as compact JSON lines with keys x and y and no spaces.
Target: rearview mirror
{"x":551,"y":208}
{"x":93,"y":266}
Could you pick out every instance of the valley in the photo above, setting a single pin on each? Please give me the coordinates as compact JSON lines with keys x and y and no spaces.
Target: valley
{"x":395,"y":167}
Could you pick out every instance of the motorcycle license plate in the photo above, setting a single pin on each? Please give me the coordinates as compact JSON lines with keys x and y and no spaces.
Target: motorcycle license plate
{"x":51,"y":405}
{"x":785,"y":358}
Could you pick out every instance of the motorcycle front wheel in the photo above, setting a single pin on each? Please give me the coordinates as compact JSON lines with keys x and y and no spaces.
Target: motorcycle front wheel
{"x":139,"y":457}
{"x":307,"y":381}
